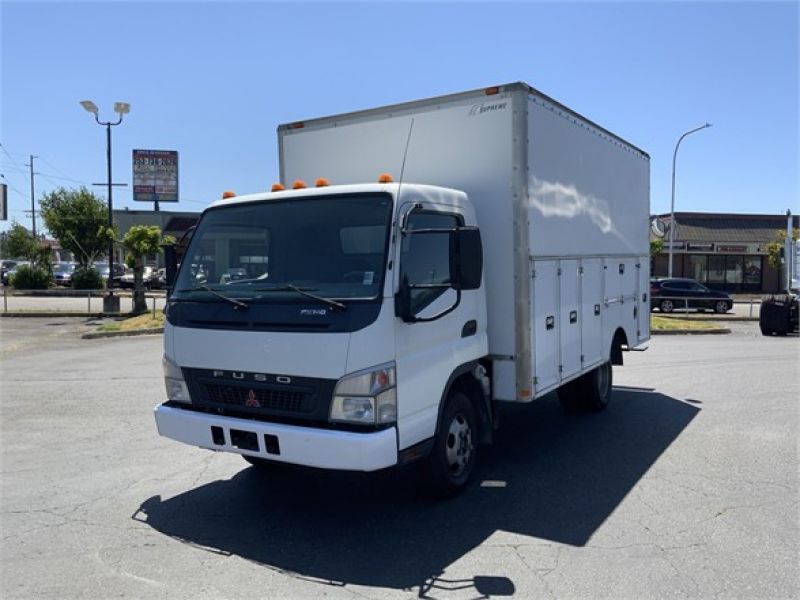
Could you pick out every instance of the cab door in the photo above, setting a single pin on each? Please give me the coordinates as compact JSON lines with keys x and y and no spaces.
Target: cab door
{"x":428,"y":352}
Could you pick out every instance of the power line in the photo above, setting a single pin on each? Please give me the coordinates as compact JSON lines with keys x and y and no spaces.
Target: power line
{"x":8,"y":154}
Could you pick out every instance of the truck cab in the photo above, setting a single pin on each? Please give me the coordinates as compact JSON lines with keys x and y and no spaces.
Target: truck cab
{"x":359,"y":302}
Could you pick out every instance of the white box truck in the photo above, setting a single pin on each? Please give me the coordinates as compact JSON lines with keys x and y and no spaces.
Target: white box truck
{"x":368,"y":320}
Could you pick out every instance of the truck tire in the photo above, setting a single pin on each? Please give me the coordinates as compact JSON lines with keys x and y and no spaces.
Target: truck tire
{"x":571,"y":395}
{"x":597,"y":387}
{"x":589,"y":392}
{"x":448,"y":467}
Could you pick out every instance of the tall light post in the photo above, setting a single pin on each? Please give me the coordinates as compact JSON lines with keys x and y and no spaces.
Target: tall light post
{"x":121,"y":108}
{"x":672,"y":205}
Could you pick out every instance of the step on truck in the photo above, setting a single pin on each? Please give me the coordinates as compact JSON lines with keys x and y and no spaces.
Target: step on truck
{"x":416,"y":265}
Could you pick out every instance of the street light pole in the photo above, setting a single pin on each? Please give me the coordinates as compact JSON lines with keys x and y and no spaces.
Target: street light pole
{"x":672,"y":204}
{"x":121,"y":108}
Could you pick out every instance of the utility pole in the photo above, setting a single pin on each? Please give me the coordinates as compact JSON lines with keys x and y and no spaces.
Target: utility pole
{"x":33,"y":197}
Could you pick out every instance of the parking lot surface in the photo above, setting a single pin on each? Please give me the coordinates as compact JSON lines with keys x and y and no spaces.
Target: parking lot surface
{"x":686,"y":486}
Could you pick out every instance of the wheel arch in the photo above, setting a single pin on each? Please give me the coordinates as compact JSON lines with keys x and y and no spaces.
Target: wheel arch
{"x":619,"y":340}
{"x":463,"y":380}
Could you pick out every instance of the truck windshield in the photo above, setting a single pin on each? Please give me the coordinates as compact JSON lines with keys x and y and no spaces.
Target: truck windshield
{"x":331,"y":247}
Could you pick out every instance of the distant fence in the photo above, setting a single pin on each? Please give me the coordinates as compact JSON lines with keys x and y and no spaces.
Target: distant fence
{"x":681,"y":304}
{"x":73,"y":301}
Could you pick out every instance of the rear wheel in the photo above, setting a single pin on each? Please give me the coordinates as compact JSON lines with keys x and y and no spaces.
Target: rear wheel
{"x":597,"y":387}
{"x":590,"y":391}
{"x":447,"y":469}
{"x":666,"y":306}
{"x":721,"y":306}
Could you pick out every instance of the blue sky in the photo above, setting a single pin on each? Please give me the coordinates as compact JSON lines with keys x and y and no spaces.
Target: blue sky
{"x":213,"y":81}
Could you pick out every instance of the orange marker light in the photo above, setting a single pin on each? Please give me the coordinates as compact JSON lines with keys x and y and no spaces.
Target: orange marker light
{"x":322,"y":182}
{"x":277,"y":187}
{"x":228,"y":194}
{"x":491,"y":91}
{"x":299,"y":185}
{"x":298,"y":125}
{"x":385,"y":178}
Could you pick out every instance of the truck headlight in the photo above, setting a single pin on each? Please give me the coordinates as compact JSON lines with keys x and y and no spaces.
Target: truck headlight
{"x":176,"y":385}
{"x":367,"y":397}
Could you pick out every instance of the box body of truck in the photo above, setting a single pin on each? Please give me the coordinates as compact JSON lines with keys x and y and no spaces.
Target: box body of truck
{"x":562,"y":205}
{"x":369,"y":321}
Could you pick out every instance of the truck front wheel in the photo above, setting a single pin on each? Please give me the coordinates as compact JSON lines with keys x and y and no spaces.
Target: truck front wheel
{"x":448,"y":467}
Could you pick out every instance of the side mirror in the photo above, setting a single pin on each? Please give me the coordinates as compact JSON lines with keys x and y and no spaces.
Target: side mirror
{"x":466,"y":258}
{"x":402,"y":303}
{"x":170,"y":264}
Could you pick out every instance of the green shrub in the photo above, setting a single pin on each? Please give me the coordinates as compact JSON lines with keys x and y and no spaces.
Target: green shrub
{"x":29,"y":277}
{"x":87,"y":279}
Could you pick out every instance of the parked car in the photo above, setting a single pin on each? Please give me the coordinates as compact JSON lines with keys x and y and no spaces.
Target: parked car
{"x":7,"y":275}
{"x":677,"y":293}
{"x":160,"y":281}
{"x":62,"y":273}
{"x":149,"y":276}
{"x":5,"y":267}
{"x":102,"y":268}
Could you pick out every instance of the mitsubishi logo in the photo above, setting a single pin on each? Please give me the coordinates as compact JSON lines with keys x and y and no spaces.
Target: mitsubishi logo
{"x":251,"y":401}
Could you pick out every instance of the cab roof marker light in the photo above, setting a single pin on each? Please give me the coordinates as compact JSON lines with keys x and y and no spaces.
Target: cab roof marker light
{"x":228,"y":194}
{"x":277,"y":187}
{"x":297,"y":125}
{"x":385,"y":178}
{"x":322,"y":182}
{"x":492,"y":91}
{"x":299,"y":185}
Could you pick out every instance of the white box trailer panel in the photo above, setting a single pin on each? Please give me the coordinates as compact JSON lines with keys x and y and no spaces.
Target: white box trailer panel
{"x":547,"y":185}
{"x":452,"y":145}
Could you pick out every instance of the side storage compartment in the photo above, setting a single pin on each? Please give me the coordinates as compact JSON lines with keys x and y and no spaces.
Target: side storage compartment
{"x":592,"y":312}
{"x":569,"y":318}
{"x":644,"y":299}
{"x":544,"y":317}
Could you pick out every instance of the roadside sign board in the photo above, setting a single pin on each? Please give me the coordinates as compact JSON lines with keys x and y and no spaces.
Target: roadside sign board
{"x":155,"y":175}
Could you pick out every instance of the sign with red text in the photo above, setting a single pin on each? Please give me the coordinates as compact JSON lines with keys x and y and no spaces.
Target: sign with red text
{"x":155,"y":175}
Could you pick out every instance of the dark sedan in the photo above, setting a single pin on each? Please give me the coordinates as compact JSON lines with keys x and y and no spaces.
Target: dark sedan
{"x":676,"y":294}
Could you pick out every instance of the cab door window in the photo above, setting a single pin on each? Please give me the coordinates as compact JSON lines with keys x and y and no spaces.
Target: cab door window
{"x":425,"y":257}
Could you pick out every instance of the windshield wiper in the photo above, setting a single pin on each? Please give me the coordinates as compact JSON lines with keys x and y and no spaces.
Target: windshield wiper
{"x":236,"y":303}
{"x":293,"y":288}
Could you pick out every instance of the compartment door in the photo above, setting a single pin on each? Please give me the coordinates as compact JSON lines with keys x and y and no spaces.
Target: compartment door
{"x":644,"y":299}
{"x":569,"y":318}
{"x":544,"y":304}
{"x":592,"y":311}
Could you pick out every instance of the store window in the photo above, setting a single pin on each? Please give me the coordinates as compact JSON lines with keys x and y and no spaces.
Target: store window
{"x":698,"y":267}
{"x":732,"y":272}
{"x":716,"y":271}
{"x":752,"y":273}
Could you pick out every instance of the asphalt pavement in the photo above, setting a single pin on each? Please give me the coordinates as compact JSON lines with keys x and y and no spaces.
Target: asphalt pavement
{"x":686,"y":486}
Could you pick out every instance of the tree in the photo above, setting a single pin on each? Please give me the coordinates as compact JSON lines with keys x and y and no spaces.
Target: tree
{"x":656,"y":247}
{"x":139,"y":241}
{"x":776,"y":245}
{"x":19,"y":243}
{"x":77,"y":219}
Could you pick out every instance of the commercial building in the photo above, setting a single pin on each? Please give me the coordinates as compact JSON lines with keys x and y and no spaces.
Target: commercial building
{"x":171,"y":223}
{"x":722,"y":251}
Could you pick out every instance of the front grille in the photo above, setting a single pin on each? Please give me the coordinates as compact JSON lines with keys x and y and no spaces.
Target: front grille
{"x":283,"y":400}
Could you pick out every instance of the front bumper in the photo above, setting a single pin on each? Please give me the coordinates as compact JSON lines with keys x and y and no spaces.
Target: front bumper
{"x":322,"y":448}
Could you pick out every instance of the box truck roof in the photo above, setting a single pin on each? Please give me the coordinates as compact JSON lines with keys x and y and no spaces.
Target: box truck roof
{"x":433,"y":102}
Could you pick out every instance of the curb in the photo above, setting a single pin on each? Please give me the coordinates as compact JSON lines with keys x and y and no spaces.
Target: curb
{"x":64,"y":313}
{"x":719,"y":319}
{"x":722,"y":330}
{"x":131,"y":333}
